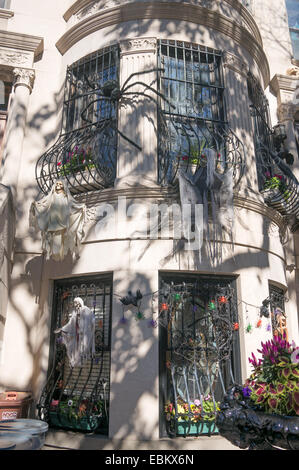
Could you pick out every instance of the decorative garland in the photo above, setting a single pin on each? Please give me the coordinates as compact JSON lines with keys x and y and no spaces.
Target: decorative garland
{"x":131,"y":300}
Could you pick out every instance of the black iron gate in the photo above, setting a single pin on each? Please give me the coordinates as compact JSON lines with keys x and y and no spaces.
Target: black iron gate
{"x":199,"y":351}
{"x":78,"y":397}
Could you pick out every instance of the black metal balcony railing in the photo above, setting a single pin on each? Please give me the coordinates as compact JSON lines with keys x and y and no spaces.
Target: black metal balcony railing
{"x":85,"y":158}
{"x":182,"y":145}
{"x":276,"y":180}
{"x":85,"y":152}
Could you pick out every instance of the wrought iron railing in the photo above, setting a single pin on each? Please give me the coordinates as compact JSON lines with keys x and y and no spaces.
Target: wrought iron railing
{"x":199,"y":347}
{"x":276,"y":180}
{"x":183,"y":143}
{"x":77,"y":397}
{"x":85,"y":153}
{"x":85,"y":158}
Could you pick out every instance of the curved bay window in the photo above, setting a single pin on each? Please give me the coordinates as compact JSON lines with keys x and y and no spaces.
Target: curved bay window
{"x":85,"y":152}
{"x":199,"y":350}
{"x":193,"y":117}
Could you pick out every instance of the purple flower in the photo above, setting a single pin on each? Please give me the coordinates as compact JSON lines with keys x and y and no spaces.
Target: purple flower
{"x":246,"y":392}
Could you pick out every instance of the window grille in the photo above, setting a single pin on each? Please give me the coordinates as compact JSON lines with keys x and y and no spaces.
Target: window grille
{"x":263,"y":134}
{"x":78,"y":398}
{"x":96,"y":68}
{"x":193,"y":117}
{"x":85,"y":152}
{"x":192,"y":80}
{"x":199,"y":350}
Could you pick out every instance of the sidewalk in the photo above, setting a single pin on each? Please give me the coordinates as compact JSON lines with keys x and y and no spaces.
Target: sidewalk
{"x":68,"y":440}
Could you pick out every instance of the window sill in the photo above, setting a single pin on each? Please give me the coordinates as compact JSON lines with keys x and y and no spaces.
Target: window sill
{"x":6,"y":14}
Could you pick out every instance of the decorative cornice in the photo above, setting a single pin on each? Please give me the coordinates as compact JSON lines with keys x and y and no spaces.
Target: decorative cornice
{"x":23,"y":42}
{"x":10,"y":57}
{"x":24,"y":77}
{"x":172,"y":11}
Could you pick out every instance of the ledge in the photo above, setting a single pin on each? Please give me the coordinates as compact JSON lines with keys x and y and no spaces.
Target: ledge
{"x":6,"y":14}
{"x":24,"y":42}
{"x":171,"y":11}
{"x":171,"y":193}
{"x":284,"y":82}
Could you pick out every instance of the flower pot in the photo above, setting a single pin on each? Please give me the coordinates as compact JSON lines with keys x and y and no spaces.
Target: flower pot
{"x":61,"y":420}
{"x":191,"y":429}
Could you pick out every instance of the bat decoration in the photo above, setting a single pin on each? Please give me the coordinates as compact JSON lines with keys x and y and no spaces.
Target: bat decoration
{"x":130,"y":299}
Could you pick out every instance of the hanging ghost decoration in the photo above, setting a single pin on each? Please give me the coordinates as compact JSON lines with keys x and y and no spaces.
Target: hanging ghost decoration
{"x":211,"y":189}
{"x":60,"y":218}
{"x":78,"y":335}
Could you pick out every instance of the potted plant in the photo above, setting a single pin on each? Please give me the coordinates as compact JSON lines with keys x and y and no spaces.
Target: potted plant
{"x":78,"y":160}
{"x":278,"y":193}
{"x":197,"y":417}
{"x":264,"y":412}
{"x":77,"y":414}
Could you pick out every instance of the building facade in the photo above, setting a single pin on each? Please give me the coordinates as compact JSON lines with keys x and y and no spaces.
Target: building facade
{"x":120,"y":100}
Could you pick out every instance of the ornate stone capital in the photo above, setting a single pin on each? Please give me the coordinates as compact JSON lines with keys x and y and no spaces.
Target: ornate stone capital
{"x":24,"y":77}
{"x":137,"y":45}
{"x":286,"y":111}
{"x":234,"y":63}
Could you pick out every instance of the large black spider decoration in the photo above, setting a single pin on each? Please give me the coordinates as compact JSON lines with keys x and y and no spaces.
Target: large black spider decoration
{"x":110,"y":91}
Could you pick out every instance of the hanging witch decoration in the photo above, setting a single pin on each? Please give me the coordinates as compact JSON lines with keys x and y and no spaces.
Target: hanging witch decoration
{"x":60,"y":218}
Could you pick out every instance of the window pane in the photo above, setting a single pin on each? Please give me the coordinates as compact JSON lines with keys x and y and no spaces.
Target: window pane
{"x":5,"y":4}
{"x":293,"y":18}
{"x":295,"y":43}
{"x":293,"y":13}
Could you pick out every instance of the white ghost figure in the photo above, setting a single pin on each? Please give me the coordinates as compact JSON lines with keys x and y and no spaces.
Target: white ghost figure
{"x":60,"y":218}
{"x":78,"y":334}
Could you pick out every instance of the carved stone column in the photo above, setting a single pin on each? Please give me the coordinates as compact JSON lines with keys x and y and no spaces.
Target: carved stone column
{"x":238,"y":113}
{"x":285,"y":88}
{"x":137,"y":115}
{"x":22,"y":88}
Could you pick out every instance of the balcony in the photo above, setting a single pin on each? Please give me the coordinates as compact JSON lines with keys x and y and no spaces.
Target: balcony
{"x":277,"y":183}
{"x":183,"y":146}
{"x":85,"y":158}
